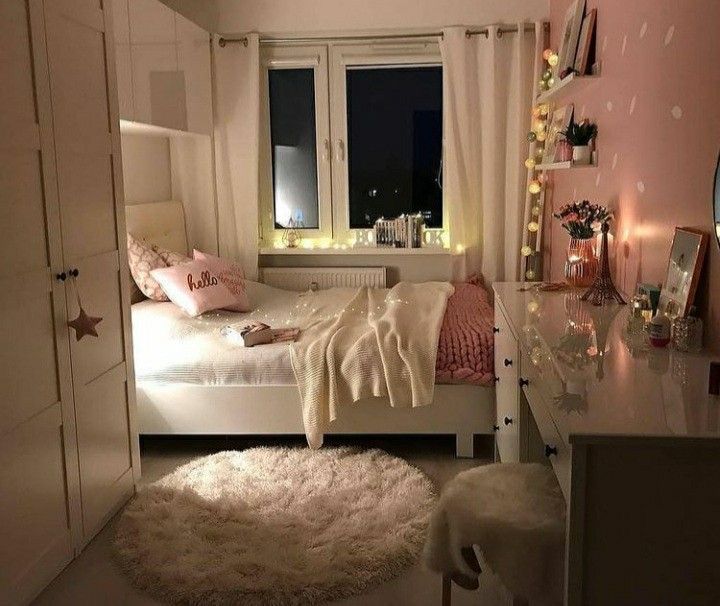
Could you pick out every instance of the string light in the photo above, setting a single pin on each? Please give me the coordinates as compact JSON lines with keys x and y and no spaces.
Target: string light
{"x":553,"y":59}
{"x":534,"y":187}
{"x":530,"y":163}
{"x":547,"y":53}
{"x":535,"y":211}
{"x":536,"y":111}
{"x":531,"y":137}
{"x":533,"y":226}
{"x":541,"y":136}
{"x":526,"y":251}
{"x":544,"y":109}
{"x":530,"y":274}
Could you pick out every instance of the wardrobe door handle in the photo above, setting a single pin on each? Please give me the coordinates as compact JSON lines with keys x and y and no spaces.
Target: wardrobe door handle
{"x":524,"y":382}
{"x":550,"y":450}
{"x":495,"y":330}
{"x":326,"y":150}
{"x":74,"y":272}
{"x":62,"y":276}
{"x":496,"y":427}
{"x":496,"y":379}
{"x":508,"y":421}
{"x":340,"y":153}
{"x":508,"y":362}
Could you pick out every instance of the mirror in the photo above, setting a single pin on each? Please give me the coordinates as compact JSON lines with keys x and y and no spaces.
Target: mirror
{"x":717,"y":201}
{"x":683,"y":272}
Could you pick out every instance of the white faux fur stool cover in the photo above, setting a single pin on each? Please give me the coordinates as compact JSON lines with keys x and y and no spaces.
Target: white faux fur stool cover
{"x":514,"y":513}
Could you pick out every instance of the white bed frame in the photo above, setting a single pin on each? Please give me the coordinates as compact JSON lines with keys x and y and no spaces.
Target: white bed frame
{"x":460,"y":410}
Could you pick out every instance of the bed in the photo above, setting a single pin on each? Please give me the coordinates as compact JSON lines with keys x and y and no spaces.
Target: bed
{"x":191,"y":379}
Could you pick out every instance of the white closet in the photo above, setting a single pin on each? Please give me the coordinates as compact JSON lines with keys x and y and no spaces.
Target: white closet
{"x":69,"y":455}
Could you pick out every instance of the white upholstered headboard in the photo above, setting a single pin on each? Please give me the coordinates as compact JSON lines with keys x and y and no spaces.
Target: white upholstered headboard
{"x":161,"y":223}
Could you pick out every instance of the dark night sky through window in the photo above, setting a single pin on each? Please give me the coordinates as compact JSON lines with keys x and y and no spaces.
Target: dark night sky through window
{"x":394,"y":143}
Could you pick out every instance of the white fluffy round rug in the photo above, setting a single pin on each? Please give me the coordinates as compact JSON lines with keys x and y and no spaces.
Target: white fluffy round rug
{"x":276,"y":526}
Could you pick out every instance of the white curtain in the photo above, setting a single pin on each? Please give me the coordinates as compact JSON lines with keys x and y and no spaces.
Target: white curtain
{"x":237,"y":141}
{"x":489,"y":83}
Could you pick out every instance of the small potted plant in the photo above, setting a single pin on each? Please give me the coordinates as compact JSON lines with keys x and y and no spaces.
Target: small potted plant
{"x":581,"y":136}
{"x":582,"y":220}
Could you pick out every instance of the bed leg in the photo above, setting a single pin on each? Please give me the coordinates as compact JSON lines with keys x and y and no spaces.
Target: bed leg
{"x":464,"y":448}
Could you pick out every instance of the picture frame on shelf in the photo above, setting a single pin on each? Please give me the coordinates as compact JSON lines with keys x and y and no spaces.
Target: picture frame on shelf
{"x":559,"y":122}
{"x":587,"y":30}
{"x":685,"y":262}
{"x":570,"y":36}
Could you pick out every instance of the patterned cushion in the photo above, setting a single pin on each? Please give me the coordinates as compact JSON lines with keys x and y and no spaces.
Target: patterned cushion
{"x":171,"y":258}
{"x":231,"y":275}
{"x":194,"y":288}
{"x":142,"y":260}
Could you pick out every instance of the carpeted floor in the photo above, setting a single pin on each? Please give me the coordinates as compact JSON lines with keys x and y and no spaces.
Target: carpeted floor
{"x":95,"y":575}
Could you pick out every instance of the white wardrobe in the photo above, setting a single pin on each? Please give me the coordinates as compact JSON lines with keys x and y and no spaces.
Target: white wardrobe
{"x":69,"y":455}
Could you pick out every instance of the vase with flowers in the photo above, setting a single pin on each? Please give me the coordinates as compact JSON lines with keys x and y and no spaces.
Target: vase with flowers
{"x":581,"y":220}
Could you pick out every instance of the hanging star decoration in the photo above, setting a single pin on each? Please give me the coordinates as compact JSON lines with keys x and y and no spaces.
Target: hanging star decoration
{"x":84,"y":325}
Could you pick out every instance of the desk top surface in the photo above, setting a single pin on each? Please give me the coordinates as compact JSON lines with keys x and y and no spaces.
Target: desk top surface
{"x":595,"y":380}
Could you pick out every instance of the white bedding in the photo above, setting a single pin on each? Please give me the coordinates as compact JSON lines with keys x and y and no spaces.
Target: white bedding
{"x":170,"y":347}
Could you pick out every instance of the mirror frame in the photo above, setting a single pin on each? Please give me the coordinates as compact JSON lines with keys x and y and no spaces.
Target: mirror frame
{"x":716,"y":203}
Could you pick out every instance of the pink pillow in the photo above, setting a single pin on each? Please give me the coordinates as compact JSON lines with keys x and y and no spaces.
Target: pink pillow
{"x":231,"y":274}
{"x":143,"y":260}
{"x":194,"y":288}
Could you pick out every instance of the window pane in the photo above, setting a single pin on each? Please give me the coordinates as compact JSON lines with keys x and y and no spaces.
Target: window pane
{"x":394,"y":143}
{"x":292,"y":137}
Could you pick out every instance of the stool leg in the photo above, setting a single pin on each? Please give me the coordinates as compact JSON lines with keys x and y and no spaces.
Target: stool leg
{"x":446,"y":590}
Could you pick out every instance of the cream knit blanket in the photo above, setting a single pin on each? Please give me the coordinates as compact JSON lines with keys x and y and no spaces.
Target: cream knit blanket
{"x":379,"y":343}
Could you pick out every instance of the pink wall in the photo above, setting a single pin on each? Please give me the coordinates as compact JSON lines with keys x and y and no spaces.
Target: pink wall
{"x":657,"y":106}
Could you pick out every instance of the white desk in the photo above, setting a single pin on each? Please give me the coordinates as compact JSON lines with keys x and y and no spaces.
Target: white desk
{"x":633,"y":438}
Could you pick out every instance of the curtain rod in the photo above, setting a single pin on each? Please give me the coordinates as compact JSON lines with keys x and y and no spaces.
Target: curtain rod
{"x":484,"y":31}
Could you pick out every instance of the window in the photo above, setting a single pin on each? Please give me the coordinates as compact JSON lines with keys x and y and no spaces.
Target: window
{"x":352,"y":133}
{"x":394,"y":124}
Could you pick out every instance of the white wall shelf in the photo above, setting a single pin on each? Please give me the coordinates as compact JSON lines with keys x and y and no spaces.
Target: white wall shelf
{"x":564,"y":165}
{"x":369,"y":250}
{"x":568,"y":85}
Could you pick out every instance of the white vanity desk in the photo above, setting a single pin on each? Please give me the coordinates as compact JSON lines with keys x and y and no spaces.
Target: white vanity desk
{"x":633,"y":438}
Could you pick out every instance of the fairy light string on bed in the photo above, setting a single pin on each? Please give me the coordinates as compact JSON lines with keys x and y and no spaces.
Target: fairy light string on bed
{"x":536,"y":180}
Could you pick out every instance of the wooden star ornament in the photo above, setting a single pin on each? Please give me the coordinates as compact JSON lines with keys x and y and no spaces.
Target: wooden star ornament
{"x":84,"y":325}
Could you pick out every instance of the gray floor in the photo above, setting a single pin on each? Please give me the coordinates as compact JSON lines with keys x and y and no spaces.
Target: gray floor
{"x":93,"y":577}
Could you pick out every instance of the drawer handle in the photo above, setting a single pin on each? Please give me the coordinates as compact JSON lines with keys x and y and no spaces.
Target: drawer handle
{"x":524,"y":382}
{"x":496,"y":379}
{"x":496,"y":427}
{"x":550,"y":450}
{"x":62,"y":276}
{"x":508,"y":362}
{"x":508,"y":421}
{"x":496,"y":330}
{"x":74,"y":273}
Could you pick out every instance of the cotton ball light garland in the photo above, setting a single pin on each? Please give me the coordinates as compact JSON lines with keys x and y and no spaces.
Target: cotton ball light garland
{"x":526,"y":251}
{"x":530,"y":163}
{"x":534,"y":187}
{"x":533,"y":227}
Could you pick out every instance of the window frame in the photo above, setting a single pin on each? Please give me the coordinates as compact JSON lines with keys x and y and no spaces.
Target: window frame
{"x":330,"y":62}
{"x":296,"y":57}
{"x":368,"y":54}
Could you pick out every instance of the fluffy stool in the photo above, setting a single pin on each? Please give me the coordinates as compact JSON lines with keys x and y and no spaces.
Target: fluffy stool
{"x":515,"y":514}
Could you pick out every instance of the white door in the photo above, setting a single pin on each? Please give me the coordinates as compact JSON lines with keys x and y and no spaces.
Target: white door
{"x":87,"y":140}
{"x":39,"y":487}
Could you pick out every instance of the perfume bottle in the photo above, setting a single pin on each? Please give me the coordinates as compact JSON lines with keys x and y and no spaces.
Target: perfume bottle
{"x":687,"y":333}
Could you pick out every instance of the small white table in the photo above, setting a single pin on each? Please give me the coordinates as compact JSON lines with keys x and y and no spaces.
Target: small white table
{"x":633,"y":437}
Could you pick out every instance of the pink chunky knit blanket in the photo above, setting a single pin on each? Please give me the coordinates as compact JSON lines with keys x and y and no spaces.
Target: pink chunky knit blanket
{"x":465,"y":349}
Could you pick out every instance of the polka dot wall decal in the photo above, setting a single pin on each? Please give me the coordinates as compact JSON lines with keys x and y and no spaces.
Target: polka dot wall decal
{"x":614,"y":162}
{"x":641,"y":186}
{"x":624,"y":45}
{"x":632,"y":105}
{"x":609,"y":106}
{"x":643,"y":29}
{"x":676,"y":112}
{"x":669,"y":35}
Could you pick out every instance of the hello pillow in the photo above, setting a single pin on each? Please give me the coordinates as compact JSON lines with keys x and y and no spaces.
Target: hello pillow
{"x":194,"y":288}
{"x":231,"y":274}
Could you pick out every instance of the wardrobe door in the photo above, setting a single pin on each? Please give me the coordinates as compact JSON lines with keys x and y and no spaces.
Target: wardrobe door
{"x":87,"y":140}
{"x":39,"y":487}
{"x":194,"y":63}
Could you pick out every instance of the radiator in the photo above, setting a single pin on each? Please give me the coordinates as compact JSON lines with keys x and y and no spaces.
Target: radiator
{"x":303,"y":278}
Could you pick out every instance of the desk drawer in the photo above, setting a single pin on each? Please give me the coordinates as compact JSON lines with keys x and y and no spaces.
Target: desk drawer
{"x":506,"y":390}
{"x":554,"y":447}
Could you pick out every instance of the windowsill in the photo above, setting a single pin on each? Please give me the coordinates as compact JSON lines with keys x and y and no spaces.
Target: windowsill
{"x":370,"y":250}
